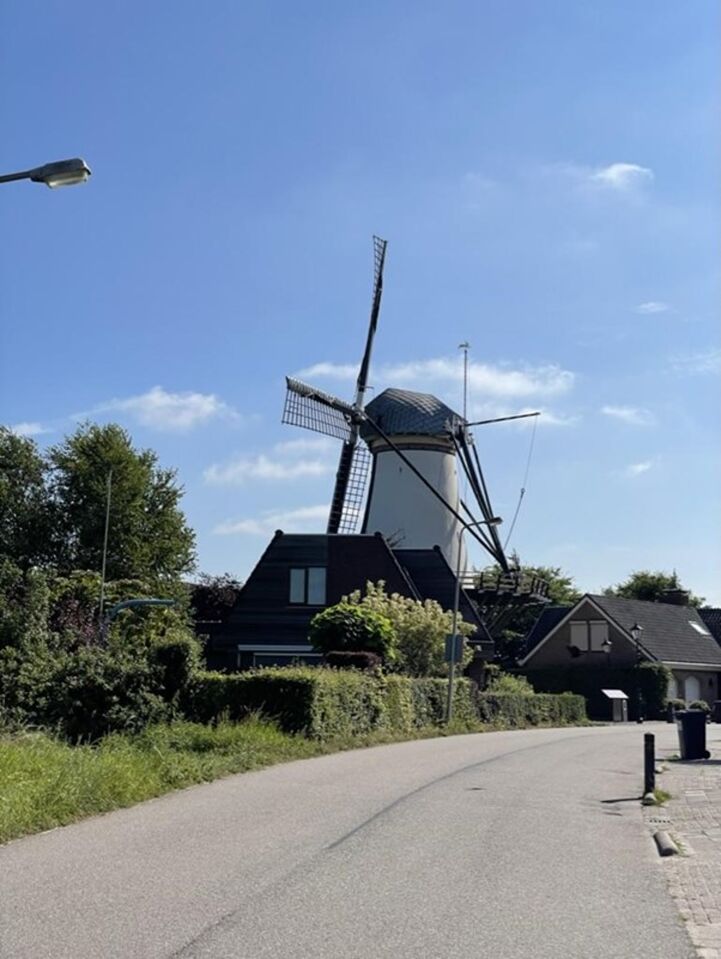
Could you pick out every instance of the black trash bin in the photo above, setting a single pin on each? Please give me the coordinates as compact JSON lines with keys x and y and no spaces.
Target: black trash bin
{"x":716,"y":711}
{"x":691,"y":725}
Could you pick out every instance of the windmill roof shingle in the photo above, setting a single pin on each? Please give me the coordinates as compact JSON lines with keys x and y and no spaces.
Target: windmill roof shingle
{"x":403,"y":412}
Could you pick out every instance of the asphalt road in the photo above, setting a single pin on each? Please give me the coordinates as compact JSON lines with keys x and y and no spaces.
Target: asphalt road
{"x":507,"y":845}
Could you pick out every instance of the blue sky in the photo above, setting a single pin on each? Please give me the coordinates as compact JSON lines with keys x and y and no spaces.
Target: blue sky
{"x":547,"y":178}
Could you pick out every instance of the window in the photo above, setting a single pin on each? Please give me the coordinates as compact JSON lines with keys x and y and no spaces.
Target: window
{"x":307,"y":586}
{"x":589,"y":637}
{"x":699,"y":629}
{"x":599,"y":636}
{"x":579,"y":636}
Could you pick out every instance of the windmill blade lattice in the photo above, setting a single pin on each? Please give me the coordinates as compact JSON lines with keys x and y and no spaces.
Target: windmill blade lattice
{"x":355,"y":491}
{"x":318,"y":411}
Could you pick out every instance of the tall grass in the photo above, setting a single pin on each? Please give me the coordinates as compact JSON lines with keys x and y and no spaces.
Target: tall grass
{"x":45,"y":782}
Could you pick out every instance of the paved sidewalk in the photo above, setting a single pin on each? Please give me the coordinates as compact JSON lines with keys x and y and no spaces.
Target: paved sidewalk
{"x":693,"y":819}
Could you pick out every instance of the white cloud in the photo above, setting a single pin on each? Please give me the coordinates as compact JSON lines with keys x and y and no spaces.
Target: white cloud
{"x":29,"y":429}
{"x":176,"y":412}
{"x":653,"y":306}
{"x":633,"y":415}
{"x":636,"y":469}
{"x":488,"y":380}
{"x":335,"y":371}
{"x":704,"y":361}
{"x":621,"y":176}
{"x":262,"y":467}
{"x":308,"y":444}
{"x":309,"y":519}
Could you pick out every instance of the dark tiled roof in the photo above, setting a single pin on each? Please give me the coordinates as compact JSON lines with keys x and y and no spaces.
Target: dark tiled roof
{"x":712,"y":618}
{"x":401,"y":412}
{"x":550,"y":617}
{"x":667,"y":631}
{"x":667,"y":636}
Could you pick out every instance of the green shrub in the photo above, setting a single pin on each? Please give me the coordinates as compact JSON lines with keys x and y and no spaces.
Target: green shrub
{"x":500,"y":682}
{"x":349,"y":628}
{"x":676,"y":704}
{"x":650,"y":678}
{"x":520,"y":709}
{"x":177,"y":658}
{"x":328,"y":703}
{"x":700,"y":704}
{"x":420,"y":629}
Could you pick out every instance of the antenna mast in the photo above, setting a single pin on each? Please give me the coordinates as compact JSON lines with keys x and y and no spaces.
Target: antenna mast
{"x":465,"y":346}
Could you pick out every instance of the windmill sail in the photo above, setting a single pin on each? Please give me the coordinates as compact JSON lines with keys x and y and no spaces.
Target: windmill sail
{"x":355,"y":492}
{"x":318,"y":411}
{"x":347,"y":454}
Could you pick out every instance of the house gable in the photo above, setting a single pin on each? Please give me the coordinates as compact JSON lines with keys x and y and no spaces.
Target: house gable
{"x":671,"y":634}
{"x":554,"y":648}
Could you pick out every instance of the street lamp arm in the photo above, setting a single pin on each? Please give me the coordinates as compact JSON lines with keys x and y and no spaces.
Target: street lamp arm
{"x":56,"y":174}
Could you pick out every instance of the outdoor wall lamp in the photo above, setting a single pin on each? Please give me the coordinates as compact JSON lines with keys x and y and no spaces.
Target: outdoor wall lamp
{"x":60,"y":173}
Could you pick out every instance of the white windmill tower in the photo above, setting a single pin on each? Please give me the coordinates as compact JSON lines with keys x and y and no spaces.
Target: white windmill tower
{"x":417,"y":446}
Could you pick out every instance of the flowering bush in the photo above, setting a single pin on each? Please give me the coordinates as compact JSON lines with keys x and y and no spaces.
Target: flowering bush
{"x":420,"y":629}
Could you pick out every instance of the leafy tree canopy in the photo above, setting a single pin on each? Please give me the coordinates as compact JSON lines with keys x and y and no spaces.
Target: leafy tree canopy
{"x":562,"y":591}
{"x":25,"y":511}
{"x":148,"y":535}
{"x":650,"y":586}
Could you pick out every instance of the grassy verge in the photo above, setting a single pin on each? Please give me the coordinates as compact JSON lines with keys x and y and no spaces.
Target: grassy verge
{"x":45,"y":782}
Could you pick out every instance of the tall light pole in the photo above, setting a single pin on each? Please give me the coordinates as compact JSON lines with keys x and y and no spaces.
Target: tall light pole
{"x":465,"y":346}
{"x":105,"y":542}
{"x":493,"y":521}
{"x":57,"y":174}
{"x":635,"y":632}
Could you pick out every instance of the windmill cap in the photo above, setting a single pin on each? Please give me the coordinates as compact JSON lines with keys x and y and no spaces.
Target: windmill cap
{"x":404,"y":413}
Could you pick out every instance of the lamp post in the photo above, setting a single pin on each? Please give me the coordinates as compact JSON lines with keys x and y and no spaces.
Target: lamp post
{"x":493,"y":521}
{"x":635,"y":632}
{"x":57,"y":174}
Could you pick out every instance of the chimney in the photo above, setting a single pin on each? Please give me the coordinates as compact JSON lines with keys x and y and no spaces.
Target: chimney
{"x":675,"y":597}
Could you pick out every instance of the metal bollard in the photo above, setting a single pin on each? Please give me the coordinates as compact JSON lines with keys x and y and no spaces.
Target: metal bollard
{"x":649,"y":763}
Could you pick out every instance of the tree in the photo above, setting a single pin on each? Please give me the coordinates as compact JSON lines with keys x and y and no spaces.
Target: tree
{"x":562,"y":591}
{"x":213,"y":597}
{"x":148,"y":535}
{"x":25,"y":510}
{"x":650,"y":586}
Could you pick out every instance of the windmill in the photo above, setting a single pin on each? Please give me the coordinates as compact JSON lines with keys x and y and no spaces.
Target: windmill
{"x":417,"y":446}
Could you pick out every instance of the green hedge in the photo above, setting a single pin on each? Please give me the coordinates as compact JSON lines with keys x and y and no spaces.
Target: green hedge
{"x":541,"y":709}
{"x":651,"y":678}
{"x":327,"y":703}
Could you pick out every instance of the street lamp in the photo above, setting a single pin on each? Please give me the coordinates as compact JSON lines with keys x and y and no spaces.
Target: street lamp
{"x":60,"y":173}
{"x":493,"y":521}
{"x":635,"y":632}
